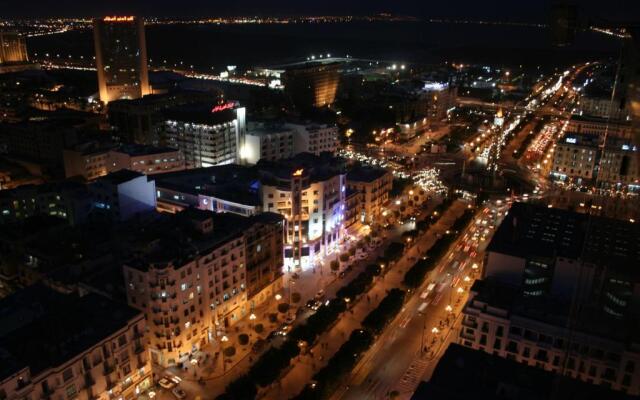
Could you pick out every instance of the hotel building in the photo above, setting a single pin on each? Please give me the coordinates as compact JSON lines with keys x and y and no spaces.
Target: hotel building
{"x":121,"y":58}
{"x":310,"y":192}
{"x":13,"y":48}
{"x":206,"y":134}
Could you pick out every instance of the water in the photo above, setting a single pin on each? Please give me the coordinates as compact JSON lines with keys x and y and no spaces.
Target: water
{"x":207,"y":46}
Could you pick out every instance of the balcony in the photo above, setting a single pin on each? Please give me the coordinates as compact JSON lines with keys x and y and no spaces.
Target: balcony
{"x":468,"y":336}
{"x":469,"y":323}
{"x":139,"y":348}
{"x":107,"y":369}
{"x":88,"y":380}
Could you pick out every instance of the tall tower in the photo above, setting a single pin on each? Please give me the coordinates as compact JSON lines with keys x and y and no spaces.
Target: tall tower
{"x":121,"y":58}
{"x":13,"y":48}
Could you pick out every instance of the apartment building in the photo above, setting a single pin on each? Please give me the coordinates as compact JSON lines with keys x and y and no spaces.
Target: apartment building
{"x":576,"y":157}
{"x":599,"y":126}
{"x":59,"y":346}
{"x":200,"y":274}
{"x":278,"y":141}
{"x":375,"y":185}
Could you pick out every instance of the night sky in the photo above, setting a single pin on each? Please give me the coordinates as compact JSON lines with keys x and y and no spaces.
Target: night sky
{"x":515,"y":10}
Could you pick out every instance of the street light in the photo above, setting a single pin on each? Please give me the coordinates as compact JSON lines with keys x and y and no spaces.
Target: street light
{"x":252,"y":316}
{"x":278,"y":297}
{"x":448,"y":308}
{"x":435,"y":330}
{"x":460,"y":290}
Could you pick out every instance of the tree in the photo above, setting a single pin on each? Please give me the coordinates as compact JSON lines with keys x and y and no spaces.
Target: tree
{"x":335,"y":266}
{"x":243,"y":339}
{"x":344,"y":257}
{"x":295,"y":297}
{"x":259,"y":328}
{"x":283,"y":307}
{"x":230,"y":351}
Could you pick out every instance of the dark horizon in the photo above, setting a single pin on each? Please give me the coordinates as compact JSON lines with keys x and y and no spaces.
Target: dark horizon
{"x":498,"y":10}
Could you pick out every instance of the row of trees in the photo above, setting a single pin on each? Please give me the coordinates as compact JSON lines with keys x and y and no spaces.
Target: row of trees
{"x":359,"y":284}
{"x":344,"y":360}
{"x":269,"y":366}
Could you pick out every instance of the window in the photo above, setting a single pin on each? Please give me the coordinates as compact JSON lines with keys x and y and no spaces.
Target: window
{"x":67,"y":374}
{"x":71,"y":391}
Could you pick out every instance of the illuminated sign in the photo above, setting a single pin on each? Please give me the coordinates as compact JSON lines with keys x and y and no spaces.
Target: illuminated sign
{"x":298,"y":172}
{"x":222,"y":107}
{"x":625,"y":147}
{"x":118,"y":19}
{"x":572,"y":140}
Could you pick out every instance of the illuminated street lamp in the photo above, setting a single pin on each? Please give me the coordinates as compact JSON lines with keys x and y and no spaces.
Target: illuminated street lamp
{"x":278,"y":297}
{"x":448,"y":308}
{"x":474,"y":266}
{"x":224,"y":338}
{"x":466,"y":278}
{"x":435,"y":330}
{"x":460,"y":290}
{"x":252,"y":316}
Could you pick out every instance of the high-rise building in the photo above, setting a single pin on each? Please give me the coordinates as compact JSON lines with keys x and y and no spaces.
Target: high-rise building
{"x":121,"y":58}
{"x":312,"y":84}
{"x":206,"y":134}
{"x":13,"y":48}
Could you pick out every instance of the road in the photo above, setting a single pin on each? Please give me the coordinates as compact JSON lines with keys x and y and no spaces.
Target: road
{"x":409,"y":348}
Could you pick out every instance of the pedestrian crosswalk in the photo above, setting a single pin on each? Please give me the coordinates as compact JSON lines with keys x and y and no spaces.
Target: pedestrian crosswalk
{"x":411,"y":378}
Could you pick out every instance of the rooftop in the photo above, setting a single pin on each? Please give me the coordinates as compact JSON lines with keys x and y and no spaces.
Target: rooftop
{"x":319,"y":168}
{"x":143,"y":149}
{"x":534,"y":230}
{"x":119,"y":177}
{"x":41,"y":328}
{"x":175,"y":241}
{"x":202,"y":113}
{"x":365,"y":174}
{"x":487,"y":376}
{"x":589,"y":319}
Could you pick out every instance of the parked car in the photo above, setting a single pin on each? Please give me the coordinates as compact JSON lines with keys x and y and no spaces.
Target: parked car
{"x":166,"y":383}
{"x":314,"y":304}
{"x":179,"y":393}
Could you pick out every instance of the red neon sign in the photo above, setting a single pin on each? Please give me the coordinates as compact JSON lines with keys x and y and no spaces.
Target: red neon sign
{"x":118,"y":19}
{"x":222,"y":107}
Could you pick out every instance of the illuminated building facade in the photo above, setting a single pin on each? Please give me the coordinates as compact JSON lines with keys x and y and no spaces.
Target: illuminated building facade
{"x":582,"y":158}
{"x":310,"y":192}
{"x":282,"y":141}
{"x":13,"y":48}
{"x":312,"y":84}
{"x":203,"y":273}
{"x":121,"y":58}
{"x":207,"y":135}
{"x":375,"y":185}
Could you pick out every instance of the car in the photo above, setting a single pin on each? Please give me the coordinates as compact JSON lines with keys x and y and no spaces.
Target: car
{"x":290,"y":319}
{"x":320,"y":294}
{"x":314,"y":304}
{"x":166,"y":383}
{"x":284,"y":329}
{"x":179,"y":393}
{"x":272,"y":334}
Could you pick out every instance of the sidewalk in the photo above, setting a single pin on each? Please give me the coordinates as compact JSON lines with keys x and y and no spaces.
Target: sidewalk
{"x":307,"y":365}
